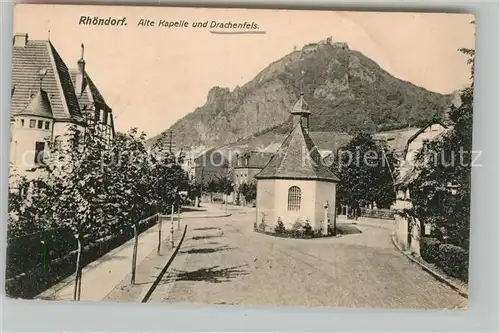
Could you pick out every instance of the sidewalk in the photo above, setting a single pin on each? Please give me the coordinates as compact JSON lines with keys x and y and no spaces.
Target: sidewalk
{"x":102,"y":276}
{"x":146,"y":273}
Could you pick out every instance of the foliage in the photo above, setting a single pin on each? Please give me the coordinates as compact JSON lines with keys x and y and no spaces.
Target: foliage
{"x":248,"y":190}
{"x":29,"y":206}
{"x":92,"y":189}
{"x":441,"y":192}
{"x":79,"y":182}
{"x":262,"y":225}
{"x":225,"y":184}
{"x":280,"y":227}
{"x":429,"y":249}
{"x":367,"y":170}
{"x":454,"y":261}
{"x":307,"y":228}
{"x":129,"y":193}
{"x":301,"y":230}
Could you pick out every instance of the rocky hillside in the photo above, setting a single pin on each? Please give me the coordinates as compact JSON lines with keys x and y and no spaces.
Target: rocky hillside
{"x":346,"y":91}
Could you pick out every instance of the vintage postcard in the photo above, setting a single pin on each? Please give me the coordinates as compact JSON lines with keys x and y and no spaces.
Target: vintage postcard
{"x":241,"y":156}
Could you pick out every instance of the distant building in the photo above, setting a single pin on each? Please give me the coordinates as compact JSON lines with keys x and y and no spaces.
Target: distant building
{"x":408,"y":232}
{"x":295,"y":185}
{"x":186,"y":159}
{"x":248,"y":165}
{"x":210,"y":165}
{"x":47,"y":98}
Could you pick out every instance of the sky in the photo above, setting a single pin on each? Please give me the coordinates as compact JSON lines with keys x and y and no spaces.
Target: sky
{"x":151,"y":76}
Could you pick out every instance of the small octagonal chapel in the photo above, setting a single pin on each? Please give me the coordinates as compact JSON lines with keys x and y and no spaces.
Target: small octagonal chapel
{"x":295,"y":185}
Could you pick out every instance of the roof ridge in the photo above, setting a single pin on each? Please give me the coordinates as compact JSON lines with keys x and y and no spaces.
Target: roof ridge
{"x":276,"y":153}
{"x":286,"y":151}
{"x":52,"y":55}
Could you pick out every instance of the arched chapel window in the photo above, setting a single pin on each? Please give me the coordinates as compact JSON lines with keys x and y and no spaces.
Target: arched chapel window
{"x":294,"y":197}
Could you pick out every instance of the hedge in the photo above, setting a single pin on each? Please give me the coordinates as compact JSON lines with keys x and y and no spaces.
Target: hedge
{"x":429,"y":249}
{"x":26,"y":273}
{"x":452,"y":259}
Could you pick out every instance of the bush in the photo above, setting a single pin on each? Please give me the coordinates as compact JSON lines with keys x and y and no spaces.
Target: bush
{"x":429,"y":249}
{"x":262,"y":225}
{"x":280,"y":227}
{"x":307,"y":229}
{"x":454,"y":261}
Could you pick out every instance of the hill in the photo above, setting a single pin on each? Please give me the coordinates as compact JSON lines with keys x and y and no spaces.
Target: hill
{"x":347,"y":92}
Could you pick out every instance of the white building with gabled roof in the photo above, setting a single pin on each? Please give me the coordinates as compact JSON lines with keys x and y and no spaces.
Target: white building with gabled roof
{"x":47,"y":99}
{"x":295,"y":185}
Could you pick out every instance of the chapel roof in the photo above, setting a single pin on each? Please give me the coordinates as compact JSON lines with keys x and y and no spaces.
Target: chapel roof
{"x":297,"y":158}
{"x":301,"y":106}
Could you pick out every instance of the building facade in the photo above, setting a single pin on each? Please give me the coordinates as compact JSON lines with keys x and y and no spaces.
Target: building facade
{"x":47,"y":100}
{"x":211,"y":165}
{"x":248,"y":165}
{"x":410,"y":230}
{"x":295,"y":185}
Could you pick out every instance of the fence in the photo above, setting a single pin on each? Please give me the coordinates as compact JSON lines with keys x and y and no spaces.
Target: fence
{"x":385,"y":214}
{"x":37,"y":261}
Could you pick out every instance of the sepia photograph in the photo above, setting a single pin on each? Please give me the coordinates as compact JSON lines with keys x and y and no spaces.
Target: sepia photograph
{"x":240,"y":157}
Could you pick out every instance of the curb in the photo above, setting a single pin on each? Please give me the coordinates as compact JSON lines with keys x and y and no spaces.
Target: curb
{"x":50,"y":292}
{"x":147,"y":294}
{"x":200,"y":217}
{"x":432,"y":272}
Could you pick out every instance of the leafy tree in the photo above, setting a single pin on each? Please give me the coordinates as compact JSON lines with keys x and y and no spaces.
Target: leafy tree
{"x":441,"y":193}
{"x":212,"y":186}
{"x":249,"y":191}
{"x":78,"y":181}
{"x":367,"y":172}
{"x":130,"y":194}
{"x":30,"y":207}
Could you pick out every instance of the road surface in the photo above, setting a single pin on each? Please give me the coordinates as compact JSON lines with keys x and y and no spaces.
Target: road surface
{"x":223,"y":261}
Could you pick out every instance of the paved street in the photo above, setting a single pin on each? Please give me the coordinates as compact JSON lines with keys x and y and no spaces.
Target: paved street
{"x":223,"y":261}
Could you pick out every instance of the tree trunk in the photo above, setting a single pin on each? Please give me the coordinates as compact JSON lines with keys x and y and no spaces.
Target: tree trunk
{"x":77,"y":276}
{"x":172,"y":226}
{"x":179,"y":217}
{"x":159,"y":235}
{"x":134,"y":254}
{"x":80,"y":284}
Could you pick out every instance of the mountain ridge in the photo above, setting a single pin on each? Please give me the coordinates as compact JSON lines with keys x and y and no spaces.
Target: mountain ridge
{"x":346,"y":92}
